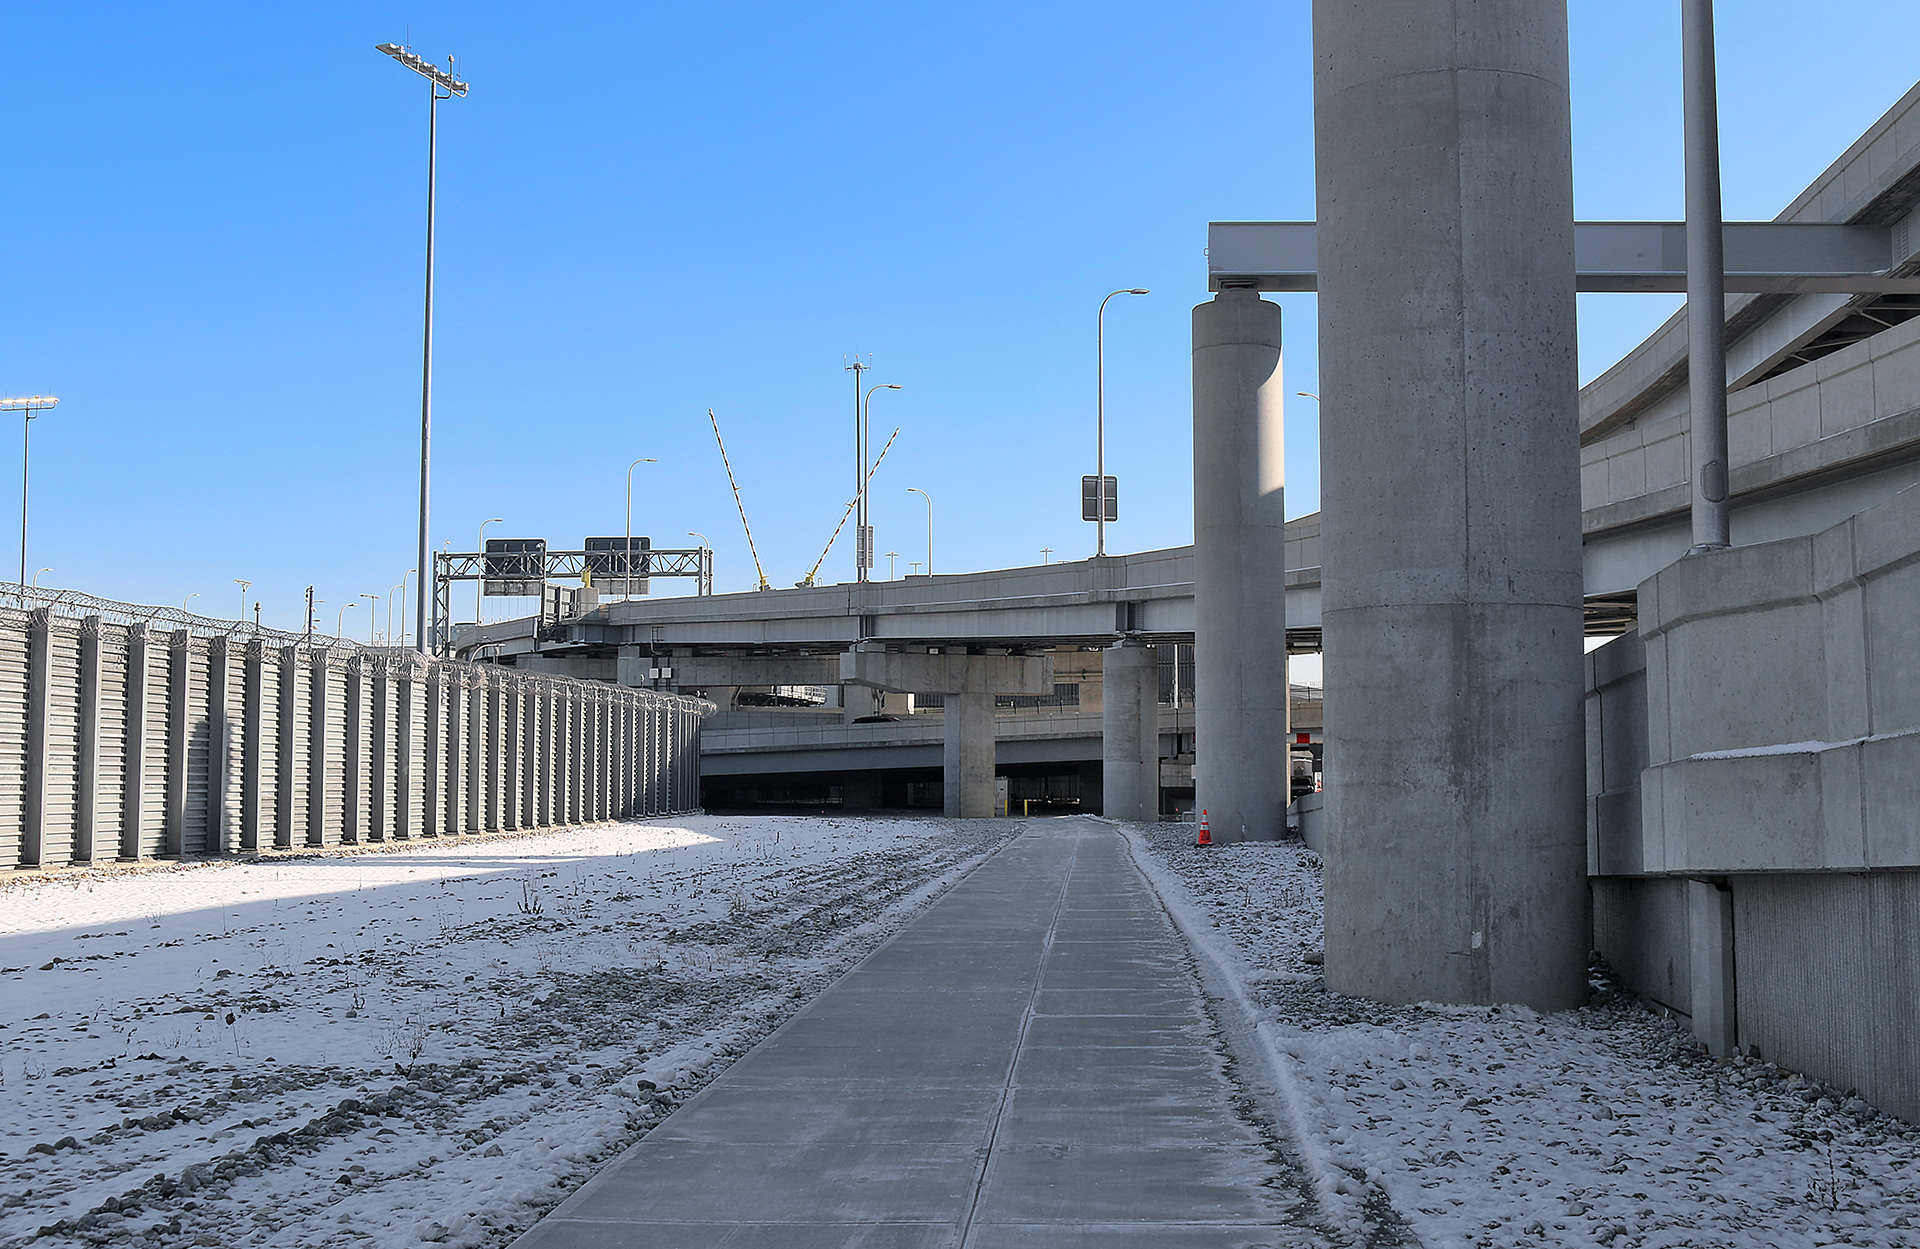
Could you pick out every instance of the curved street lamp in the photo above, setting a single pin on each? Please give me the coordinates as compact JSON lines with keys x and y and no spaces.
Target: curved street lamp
{"x":1100,"y":421}
{"x":705,"y":583}
{"x":340,"y":621}
{"x":479,"y":587}
{"x":627,"y":562}
{"x":929,"y":498}
{"x":36,"y":577}
{"x":862,"y":524}
{"x":188,"y":599}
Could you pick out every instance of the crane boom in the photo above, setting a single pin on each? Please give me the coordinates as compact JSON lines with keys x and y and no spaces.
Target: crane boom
{"x":808,"y":580}
{"x":761,"y":572}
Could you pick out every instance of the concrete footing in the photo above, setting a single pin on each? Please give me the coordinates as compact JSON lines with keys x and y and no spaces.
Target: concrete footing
{"x":1456,"y":857}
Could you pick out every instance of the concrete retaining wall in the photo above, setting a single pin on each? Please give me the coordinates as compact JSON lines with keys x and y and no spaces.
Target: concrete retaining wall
{"x":118,"y":741}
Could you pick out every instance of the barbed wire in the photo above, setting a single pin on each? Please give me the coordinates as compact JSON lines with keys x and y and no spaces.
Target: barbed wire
{"x":17,"y":602}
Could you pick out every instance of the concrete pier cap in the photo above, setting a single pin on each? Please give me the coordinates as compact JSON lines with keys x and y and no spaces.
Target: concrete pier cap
{"x":1239,"y":568}
{"x":1451,"y":528}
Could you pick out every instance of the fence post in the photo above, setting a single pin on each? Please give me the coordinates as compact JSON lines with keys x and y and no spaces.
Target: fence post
{"x":133,"y":796}
{"x":219,"y":745}
{"x":477,"y":768}
{"x":405,"y":781}
{"x":86,"y":814}
{"x":252,"y":731}
{"x":283,"y":762}
{"x":512,"y":743}
{"x":536,"y":768}
{"x":434,"y":783}
{"x":353,"y":747}
{"x":380,"y":737}
{"x":39,"y":698}
{"x":179,"y":684}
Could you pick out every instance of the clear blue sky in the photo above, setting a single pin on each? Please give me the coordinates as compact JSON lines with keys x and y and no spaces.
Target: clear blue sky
{"x":214,"y":251}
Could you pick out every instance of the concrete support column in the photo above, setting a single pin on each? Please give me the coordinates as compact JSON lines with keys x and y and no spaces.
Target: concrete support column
{"x":499,"y":763}
{"x":453,"y":692}
{"x":968,"y":757}
{"x":39,"y":703}
{"x":253,"y":720}
{"x":86,"y":813}
{"x":1239,"y":569}
{"x":288,"y":725}
{"x":1130,"y":732}
{"x":133,"y":798}
{"x":1456,"y":862}
{"x":1710,"y":942}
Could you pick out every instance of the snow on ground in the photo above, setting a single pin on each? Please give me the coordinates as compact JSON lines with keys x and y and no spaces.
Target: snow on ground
{"x":433,"y":1044}
{"x":1599,"y":1126}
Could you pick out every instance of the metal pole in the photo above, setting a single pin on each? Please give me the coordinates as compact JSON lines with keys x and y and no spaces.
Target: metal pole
{"x":1706,"y":283}
{"x":480,"y":586}
{"x":426,"y":377}
{"x":26,"y":434}
{"x":1100,"y":428}
{"x":859,"y":470}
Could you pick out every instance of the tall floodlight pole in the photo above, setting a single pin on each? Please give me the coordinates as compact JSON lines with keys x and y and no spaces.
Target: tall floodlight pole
{"x":859,"y":468}
{"x":29,"y":407}
{"x":437,"y":81}
{"x":244,"y":585}
{"x":480,"y":586}
{"x":1100,"y":422}
{"x":626,"y":569}
{"x":929,"y":498}
{"x":1706,"y":282}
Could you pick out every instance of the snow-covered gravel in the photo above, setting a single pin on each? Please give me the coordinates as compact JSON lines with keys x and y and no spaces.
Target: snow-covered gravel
{"x":1598,"y":1126}
{"x":393,"y":1047}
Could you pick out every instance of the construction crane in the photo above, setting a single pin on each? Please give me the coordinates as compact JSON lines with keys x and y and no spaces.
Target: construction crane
{"x":807,"y":581}
{"x":761,"y":572}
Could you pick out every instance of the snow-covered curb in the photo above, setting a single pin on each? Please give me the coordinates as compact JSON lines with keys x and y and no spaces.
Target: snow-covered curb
{"x":1507,"y":1129}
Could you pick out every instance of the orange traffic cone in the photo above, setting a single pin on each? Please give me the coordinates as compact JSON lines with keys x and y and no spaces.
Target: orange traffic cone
{"x":1206,"y":834}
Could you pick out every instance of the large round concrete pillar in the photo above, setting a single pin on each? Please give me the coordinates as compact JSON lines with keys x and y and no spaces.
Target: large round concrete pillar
{"x":1130,"y":732}
{"x":1239,"y":568}
{"x":1450,"y":534}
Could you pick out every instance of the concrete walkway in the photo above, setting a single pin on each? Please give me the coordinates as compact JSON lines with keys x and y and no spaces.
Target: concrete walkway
{"x":1026,"y":1064}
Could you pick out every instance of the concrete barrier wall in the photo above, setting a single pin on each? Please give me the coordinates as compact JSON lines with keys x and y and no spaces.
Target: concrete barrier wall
{"x":122,"y":741}
{"x":1784,"y":700}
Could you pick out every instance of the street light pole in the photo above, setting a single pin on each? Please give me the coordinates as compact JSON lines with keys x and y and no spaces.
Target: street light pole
{"x":859,"y":466}
{"x":627,"y":562}
{"x":373,"y":601}
{"x":437,"y":79}
{"x":28,"y":406}
{"x":480,"y":586}
{"x":863,"y":527}
{"x":929,"y":498}
{"x":244,"y":586}
{"x":340,"y":622}
{"x":1100,"y":421}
